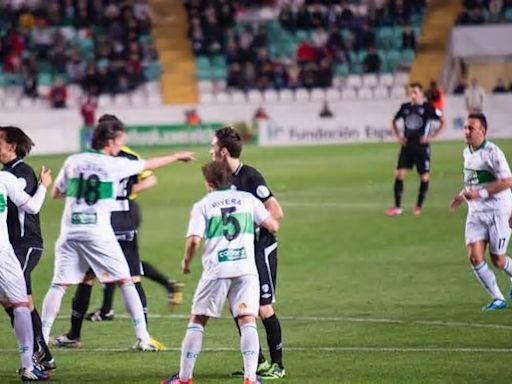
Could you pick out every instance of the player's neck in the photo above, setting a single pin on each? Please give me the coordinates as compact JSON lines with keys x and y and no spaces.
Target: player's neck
{"x":9,"y":158}
{"x":233,"y":163}
{"x":476,"y":147}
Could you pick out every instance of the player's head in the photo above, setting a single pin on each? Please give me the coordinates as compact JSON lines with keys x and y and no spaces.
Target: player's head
{"x":14,"y":143}
{"x":108,"y":136}
{"x":217,"y":174}
{"x":475,"y":129}
{"x":416,"y":93}
{"x":108,"y":117}
{"x":226,"y":143}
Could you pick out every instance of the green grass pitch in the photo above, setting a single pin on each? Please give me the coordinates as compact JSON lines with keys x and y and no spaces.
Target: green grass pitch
{"x":363,"y":298}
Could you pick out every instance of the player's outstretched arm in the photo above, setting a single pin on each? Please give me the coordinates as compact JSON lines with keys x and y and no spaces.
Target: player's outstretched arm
{"x":32,"y":204}
{"x":162,"y":161}
{"x":456,"y":201}
{"x":144,"y":184}
{"x":191,"y":247}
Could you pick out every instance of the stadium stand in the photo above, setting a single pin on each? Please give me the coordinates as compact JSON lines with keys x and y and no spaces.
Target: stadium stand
{"x":485,"y":12}
{"x":100,"y":47}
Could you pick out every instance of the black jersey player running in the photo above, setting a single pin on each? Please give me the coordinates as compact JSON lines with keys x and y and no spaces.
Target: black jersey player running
{"x":24,"y":228}
{"x":417,"y":116}
{"x":227,"y":145}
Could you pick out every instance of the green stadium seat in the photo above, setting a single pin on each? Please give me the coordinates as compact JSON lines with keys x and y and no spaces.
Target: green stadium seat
{"x":44,"y":78}
{"x":301,"y":35}
{"x":153,"y":71}
{"x":342,"y":70}
{"x":204,"y":74}
{"x":203,"y":62}
{"x":385,"y":37}
{"x":218,"y":61}
{"x":219,"y":73}
{"x":145,"y":39}
{"x":407,"y":55}
{"x":345,"y":33}
{"x":508,"y":15}
{"x":13,"y":79}
{"x":361,"y":55}
{"x":391,"y":58}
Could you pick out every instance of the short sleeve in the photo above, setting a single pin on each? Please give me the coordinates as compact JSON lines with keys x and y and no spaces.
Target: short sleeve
{"x":122,"y":167}
{"x":61,"y":182}
{"x":260,"y":212}
{"x":434,"y":113}
{"x":15,"y":191}
{"x":400,"y":113}
{"x":197,"y":222}
{"x":499,"y":164}
{"x":258,"y":186}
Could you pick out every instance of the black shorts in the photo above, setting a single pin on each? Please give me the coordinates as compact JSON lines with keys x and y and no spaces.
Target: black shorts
{"x":28,"y":257}
{"x":266,"y":263}
{"x":415,"y":155}
{"x":131,"y":253}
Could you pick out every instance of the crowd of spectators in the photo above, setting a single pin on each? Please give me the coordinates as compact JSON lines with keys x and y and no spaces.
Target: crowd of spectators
{"x":485,"y":11}
{"x":333,"y":33}
{"x":101,"y":45}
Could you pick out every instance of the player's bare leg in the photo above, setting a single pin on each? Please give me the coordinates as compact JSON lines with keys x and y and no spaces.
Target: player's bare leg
{"x":485,"y":275}
{"x":398,"y":190}
{"x":504,"y":263}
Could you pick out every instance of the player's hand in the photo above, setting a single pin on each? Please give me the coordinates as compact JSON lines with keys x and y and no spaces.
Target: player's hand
{"x":472,"y":194}
{"x":456,"y":202}
{"x":425,"y":139}
{"x":185,"y":156}
{"x":185,"y":266}
{"x":402,"y":140}
{"x":45,"y":177}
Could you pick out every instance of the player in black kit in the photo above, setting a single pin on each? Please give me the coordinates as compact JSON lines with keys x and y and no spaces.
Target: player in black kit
{"x":227,"y":145}
{"x":417,"y":116}
{"x":24,"y":229}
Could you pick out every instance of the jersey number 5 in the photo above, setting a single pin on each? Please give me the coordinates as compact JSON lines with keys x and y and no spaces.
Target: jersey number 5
{"x":227,"y":220}
{"x":88,"y":189}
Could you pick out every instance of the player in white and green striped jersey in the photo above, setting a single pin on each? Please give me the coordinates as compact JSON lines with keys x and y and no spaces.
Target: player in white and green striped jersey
{"x":487,"y":183}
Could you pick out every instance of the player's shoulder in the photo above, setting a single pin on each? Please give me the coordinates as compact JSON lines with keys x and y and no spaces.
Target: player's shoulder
{"x":23,"y":170}
{"x":128,"y":153}
{"x":7,"y":178}
{"x":407,"y":104}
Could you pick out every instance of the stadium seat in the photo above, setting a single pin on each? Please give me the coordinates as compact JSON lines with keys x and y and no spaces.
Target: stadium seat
{"x":370,"y":80}
{"x":205,"y":86}
{"x":153,"y":87}
{"x":219,"y":85}
{"x":401,"y":78}
{"x":223,"y":98}
{"x":384,"y":37}
{"x":332,"y":94}
{"x":154,"y":99}
{"x":386,"y":80}
{"x":206,"y":98}
{"x":348,"y":94}
{"x":26,"y":102}
{"x":398,"y":92}
{"x":407,"y":55}
{"x":105,"y":101}
{"x":365,"y":94}
{"x":270,"y":96}
{"x":354,"y":81}
{"x":121,"y":100}
{"x":254,"y":96}
{"x":11,"y":102}
{"x":301,"y":94}
{"x":138,"y":98}
{"x":342,"y":70}
{"x":286,"y":95}
{"x":337,"y":82}
{"x":238,"y":97}
{"x":391,"y":58}
{"x":380,"y":93}
{"x":317,"y":94}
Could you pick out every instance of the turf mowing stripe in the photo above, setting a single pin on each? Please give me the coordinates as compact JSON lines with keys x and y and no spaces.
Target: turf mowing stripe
{"x":345,"y":205}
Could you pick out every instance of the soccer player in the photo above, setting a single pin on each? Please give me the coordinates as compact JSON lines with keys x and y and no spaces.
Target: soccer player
{"x":417,"y":116}
{"x":487,"y":182}
{"x":227,"y":146}
{"x":13,"y":290}
{"x":24,"y":228}
{"x":89,"y":182}
{"x":225,"y":218}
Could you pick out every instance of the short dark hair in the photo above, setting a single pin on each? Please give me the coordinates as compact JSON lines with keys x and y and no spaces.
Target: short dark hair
{"x":14,"y":135}
{"x":107,"y":129}
{"x":109,"y":117}
{"x":218,"y":174}
{"x":415,"y":84}
{"x":229,"y":138}
{"x":480,"y":117}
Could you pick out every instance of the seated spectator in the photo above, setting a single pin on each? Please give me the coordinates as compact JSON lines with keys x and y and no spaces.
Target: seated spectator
{"x":372,"y":62}
{"x":192,"y":117}
{"x":495,"y":11}
{"x":303,"y":17}
{"x":76,"y":67}
{"x":319,"y":37}
{"x":293,"y":72}
{"x":287,"y":18}
{"x":58,"y":94}
{"x":30,"y":83}
{"x":408,"y":38}
{"x":500,"y":87}
{"x":306,"y":52}
{"x":234,"y":77}
{"x":324,"y":74}
{"x":365,"y":38}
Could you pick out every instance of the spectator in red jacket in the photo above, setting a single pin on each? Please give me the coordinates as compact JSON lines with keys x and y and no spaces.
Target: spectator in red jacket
{"x":58,"y":94}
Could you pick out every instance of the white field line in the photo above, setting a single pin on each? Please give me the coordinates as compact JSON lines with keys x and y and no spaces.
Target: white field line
{"x":347,"y":205}
{"x":430,"y":323}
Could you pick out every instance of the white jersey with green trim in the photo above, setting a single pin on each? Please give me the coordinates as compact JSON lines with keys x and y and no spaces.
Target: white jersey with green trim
{"x":225,"y":219}
{"x":482,"y":166}
{"x":90,"y":181}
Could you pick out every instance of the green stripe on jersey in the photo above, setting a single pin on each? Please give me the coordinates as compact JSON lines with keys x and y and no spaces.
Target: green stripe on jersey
{"x":92,"y":190}
{"x":3,"y":203}
{"x":217,"y":227}
{"x":476,"y":177}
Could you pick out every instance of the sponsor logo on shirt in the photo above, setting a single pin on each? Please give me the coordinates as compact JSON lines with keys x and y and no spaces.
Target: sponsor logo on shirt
{"x":232,"y":254}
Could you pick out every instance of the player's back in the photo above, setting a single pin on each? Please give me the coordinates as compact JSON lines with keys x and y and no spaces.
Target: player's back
{"x":90,"y":181}
{"x":229,"y":217}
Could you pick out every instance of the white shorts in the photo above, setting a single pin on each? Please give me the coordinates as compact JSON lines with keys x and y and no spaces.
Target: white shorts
{"x":12,"y":282}
{"x":74,"y":257}
{"x":491,"y":227}
{"x":243,"y":294}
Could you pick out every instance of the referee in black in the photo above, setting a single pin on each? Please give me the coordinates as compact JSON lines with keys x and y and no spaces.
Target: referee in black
{"x":417,"y":116}
{"x":24,"y":229}
{"x":227,"y":145}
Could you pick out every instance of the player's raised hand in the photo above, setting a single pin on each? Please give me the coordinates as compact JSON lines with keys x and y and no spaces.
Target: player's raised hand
{"x":45,"y":176}
{"x":456,"y":202}
{"x":185,"y":156}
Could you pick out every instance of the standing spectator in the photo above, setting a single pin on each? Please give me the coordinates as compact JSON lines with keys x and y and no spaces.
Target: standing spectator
{"x":88,"y":112}
{"x":30,"y":82}
{"x":435,"y":95}
{"x":372,"y":62}
{"x":408,"y":38}
{"x":58,"y":94}
{"x":500,"y":87}
{"x":474,"y":97}
{"x":460,"y":88}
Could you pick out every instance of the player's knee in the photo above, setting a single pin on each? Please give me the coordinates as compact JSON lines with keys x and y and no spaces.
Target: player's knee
{"x":498,"y":261}
{"x":199,"y":319}
{"x":266,"y":311}
{"x":400,"y":174}
{"x":246,"y":319}
{"x":475,"y":257}
{"x":425,"y":177}
{"x":88,"y":280}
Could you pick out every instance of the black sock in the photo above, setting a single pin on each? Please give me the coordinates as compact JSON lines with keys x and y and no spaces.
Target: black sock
{"x":398,"y":189}
{"x":10,"y":312}
{"x":422,"y":193}
{"x":261,"y":357}
{"x":79,"y":309}
{"x":142,"y":295}
{"x":154,"y":274}
{"x":275,"y":344}
{"x":108,"y":297}
{"x":39,"y":343}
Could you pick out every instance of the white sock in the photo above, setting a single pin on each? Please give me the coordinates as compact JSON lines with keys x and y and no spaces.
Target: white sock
{"x":134,"y":307}
{"x":25,"y":336}
{"x":190,"y":348}
{"x":51,"y":306}
{"x":250,"y":347}
{"x":508,"y":266}
{"x":486,"y":276}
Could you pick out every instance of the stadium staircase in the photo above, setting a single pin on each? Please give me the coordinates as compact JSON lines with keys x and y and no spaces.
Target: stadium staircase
{"x":178,"y":81}
{"x":437,"y":24}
